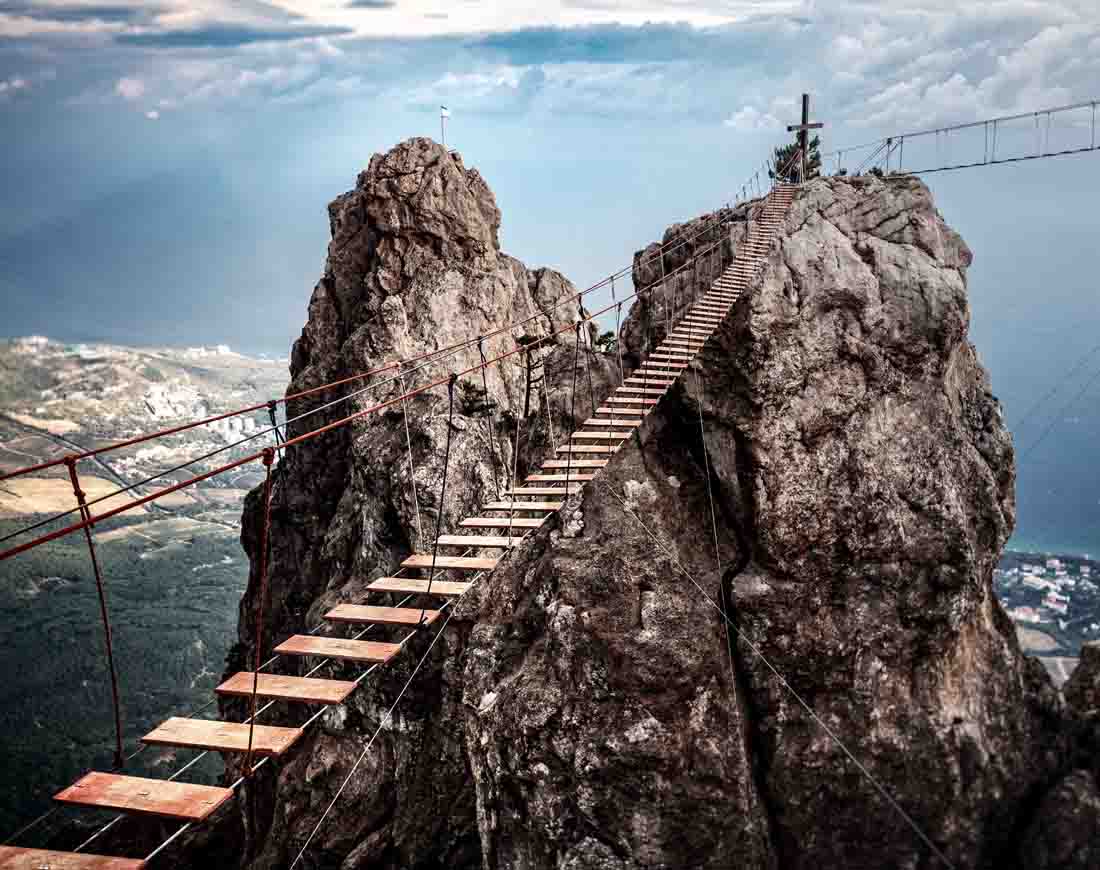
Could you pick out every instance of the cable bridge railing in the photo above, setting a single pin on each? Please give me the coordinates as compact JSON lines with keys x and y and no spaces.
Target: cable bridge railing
{"x":1052,"y":132}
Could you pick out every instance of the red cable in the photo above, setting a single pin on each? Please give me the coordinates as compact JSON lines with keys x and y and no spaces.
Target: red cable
{"x":92,"y":520}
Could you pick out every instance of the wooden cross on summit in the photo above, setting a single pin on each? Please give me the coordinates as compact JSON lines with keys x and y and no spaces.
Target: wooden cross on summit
{"x":803,"y":131}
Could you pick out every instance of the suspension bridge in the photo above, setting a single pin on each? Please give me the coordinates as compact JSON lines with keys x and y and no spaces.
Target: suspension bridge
{"x":421,"y":596}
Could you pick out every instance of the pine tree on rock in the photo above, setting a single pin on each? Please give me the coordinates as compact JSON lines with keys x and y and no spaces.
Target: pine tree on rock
{"x":781,"y":171}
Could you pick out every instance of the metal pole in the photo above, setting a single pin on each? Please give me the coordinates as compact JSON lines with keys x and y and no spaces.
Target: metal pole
{"x":804,"y":135}
{"x":112,"y":672}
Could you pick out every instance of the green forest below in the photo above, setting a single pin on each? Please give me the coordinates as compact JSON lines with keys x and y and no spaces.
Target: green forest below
{"x":173,"y":589}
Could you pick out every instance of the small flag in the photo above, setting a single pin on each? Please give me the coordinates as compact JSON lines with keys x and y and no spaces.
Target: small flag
{"x":444,"y":112}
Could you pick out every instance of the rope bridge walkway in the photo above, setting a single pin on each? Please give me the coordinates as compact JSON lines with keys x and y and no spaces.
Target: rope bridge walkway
{"x":498,"y":527}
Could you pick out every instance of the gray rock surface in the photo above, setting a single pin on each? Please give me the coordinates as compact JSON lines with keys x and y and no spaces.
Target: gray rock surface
{"x":854,"y":430}
{"x":1082,"y":690}
{"x":839,"y":461}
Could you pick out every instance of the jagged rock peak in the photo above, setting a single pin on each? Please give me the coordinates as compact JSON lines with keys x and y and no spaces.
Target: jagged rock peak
{"x":414,"y":265}
{"x":419,"y":187}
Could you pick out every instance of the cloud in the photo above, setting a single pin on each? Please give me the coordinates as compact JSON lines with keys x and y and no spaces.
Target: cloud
{"x":599,"y":43}
{"x":71,"y":13}
{"x":372,"y":4}
{"x":226,"y":35}
{"x":153,"y":115}
{"x":130,"y":88}
{"x":750,"y":118}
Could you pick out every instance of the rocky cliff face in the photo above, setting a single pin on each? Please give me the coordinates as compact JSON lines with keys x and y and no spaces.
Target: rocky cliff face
{"x":836,"y":476}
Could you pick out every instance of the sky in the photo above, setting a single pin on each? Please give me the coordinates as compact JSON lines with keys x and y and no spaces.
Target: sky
{"x":167,"y":165}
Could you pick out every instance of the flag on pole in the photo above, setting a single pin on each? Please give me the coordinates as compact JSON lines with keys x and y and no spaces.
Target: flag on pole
{"x":444,"y":112}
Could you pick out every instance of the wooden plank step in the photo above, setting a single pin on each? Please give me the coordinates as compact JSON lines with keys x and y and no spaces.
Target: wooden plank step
{"x":222,"y":736}
{"x":499,"y":523}
{"x":553,"y":490}
{"x":344,"y":649}
{"x":641,"y":391}
{"x":621,"y":423}
{"x":586,"y":448}
{"x":450,"y":563}
{"x":371,"y":614}
{"x":616,"y":400}
{"x":307,"y":690}
{"x":18,"y":858}
{"x":641,"y":374}
{"x":478,"y":541}
{"x":562,"y":478}
{"x":642,"y":381}
{"x":523,"y":505}
{"x":618,"y":435}
{"x":181,"y":801}
{"x":574,"y":463}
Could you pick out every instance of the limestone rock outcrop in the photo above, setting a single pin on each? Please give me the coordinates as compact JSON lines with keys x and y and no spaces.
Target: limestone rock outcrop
{"x":836,"y":477}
